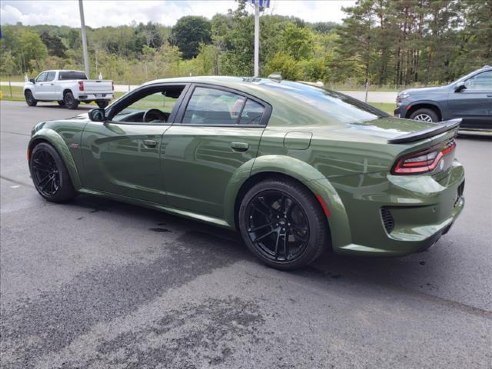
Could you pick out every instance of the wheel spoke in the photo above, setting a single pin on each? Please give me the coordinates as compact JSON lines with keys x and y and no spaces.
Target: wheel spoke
{"x":276,"y":245}
{"x":45,"y":185}
{"x":258,"y":203}
{"x":45,"y":180}
{"x":39,"y":165}
{"x":255,"y":229}
{"x":286,"y":247}
{"x":263,"y":236}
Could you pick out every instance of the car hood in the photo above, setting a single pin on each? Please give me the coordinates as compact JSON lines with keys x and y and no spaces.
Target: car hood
{"x":422,"y":90}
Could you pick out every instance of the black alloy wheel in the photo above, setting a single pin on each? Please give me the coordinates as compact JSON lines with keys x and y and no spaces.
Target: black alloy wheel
{"x":49,"y":174}
{"x":30,"y":100}
{"x":70,"y":101}
{"x":283,"y":224}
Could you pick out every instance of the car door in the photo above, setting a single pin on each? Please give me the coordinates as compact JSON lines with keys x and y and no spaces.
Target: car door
{"x":122,"y":155}
{"x":50,"y":92}
{"x":217,"y":131}
{"x":39,"y":88}
{"x":474,"y":102}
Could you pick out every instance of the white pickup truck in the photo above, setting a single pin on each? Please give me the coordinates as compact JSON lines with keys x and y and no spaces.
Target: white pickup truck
{"x":69,"y":88}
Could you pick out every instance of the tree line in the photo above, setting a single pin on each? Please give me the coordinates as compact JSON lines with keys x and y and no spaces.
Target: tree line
{"x":381,"y":42}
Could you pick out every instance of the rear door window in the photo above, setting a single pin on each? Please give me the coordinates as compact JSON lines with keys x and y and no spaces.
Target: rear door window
{"x":69,"y":75}
{"x":214,"y":106}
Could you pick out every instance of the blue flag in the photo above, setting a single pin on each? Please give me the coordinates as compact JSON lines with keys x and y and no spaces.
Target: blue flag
{"x":261,"y":3}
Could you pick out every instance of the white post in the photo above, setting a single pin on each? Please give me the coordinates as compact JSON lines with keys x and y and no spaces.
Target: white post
{"x":84,"y":39}
{"x":257,"y":39}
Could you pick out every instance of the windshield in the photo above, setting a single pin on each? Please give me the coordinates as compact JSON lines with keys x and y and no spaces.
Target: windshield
{"x":340,"y":107}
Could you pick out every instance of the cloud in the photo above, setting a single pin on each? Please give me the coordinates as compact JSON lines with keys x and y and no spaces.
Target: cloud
{"x":115,"y":13}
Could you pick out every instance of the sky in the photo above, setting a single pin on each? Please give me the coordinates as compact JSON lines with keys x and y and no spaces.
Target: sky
{"x":99,"y":13}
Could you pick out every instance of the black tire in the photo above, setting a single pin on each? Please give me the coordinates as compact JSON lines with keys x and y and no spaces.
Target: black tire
{"x":278,"y":211}
{"x":61,"y":103}
{"x":50,"y":175}
{"x":30,"y":100}
{"x":425,"y":115}
{"x":70,"y":101}
{"x":102,"y":103}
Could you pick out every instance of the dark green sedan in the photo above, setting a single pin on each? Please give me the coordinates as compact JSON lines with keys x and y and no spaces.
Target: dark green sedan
{"x":296,"y":169}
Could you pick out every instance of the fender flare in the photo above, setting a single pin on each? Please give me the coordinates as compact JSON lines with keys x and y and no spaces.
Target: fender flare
{"x":299,"y":170}
{"x":432,"y":103}
{"x":53,"y":138}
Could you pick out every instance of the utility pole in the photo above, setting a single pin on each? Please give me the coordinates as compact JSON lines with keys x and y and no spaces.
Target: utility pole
{"x":84,"y":39}
{"x":257,"y":39}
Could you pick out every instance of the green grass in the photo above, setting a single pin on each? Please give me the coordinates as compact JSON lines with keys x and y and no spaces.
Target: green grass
{"x":12,"y":94}
{"x":386,"y":107}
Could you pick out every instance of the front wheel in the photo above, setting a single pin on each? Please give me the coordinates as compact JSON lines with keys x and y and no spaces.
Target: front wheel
{"x":30,"y":100}
{"x":49,"y":174}
{"x":425,"y":115}
{"x":70,"y":101}
{"x":282,"y":224}
{"x":102,"y":103}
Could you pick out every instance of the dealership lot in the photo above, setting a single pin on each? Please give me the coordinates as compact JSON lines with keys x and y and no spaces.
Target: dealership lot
{"x":99,"y":284}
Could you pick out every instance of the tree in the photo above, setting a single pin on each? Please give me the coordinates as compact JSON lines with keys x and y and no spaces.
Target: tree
{"x":54,"y":44}
{"x":188,"y":33}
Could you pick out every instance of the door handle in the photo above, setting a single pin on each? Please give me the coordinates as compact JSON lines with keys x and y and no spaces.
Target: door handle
{"x":240,"y":146}
{"x":489,"y":95}
{"x":150,"y":143}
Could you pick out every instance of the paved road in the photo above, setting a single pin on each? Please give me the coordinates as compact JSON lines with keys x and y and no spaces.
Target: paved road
{"x":373,"y":96}
{"x":98,"y":284}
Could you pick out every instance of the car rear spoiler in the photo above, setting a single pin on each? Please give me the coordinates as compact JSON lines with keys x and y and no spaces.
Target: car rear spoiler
{"x":439,"y":128}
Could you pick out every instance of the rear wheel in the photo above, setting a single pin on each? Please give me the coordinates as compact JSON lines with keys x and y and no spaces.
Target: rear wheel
{"x":50,"y":175}
{"x":30,"y":100}
{"x":61,"y":103}
{"x":425,"y":115}
{"x":70,"y":101}
{"x":102,"y":103}
{"x":282,"y":224}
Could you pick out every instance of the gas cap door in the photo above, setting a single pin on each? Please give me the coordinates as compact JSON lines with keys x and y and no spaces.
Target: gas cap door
{"x":297,"y":140}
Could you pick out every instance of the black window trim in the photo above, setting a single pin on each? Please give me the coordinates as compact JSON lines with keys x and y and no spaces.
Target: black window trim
{"x":112,"y":110}
{"x":264,"y":119}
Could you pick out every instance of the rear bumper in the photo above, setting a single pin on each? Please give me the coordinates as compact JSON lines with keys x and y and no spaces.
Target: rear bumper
{"x":404,"y":215}
{"x":95,"y":96}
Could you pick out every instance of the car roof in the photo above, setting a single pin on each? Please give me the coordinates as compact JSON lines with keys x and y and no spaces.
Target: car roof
{"x":266,"y":89}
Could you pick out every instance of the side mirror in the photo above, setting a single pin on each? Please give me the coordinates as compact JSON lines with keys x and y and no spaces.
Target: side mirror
{"x":32,"y":80}
{"x":97,"y":115}
{"x":460,"y":87}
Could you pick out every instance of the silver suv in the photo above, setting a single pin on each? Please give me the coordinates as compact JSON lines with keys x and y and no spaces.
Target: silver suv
{"x":469,"y":98}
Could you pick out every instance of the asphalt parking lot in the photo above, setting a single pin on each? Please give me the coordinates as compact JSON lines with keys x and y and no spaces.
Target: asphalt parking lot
{"x":99,"y":284}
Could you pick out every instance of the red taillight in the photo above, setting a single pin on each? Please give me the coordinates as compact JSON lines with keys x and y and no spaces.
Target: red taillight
{"x":423,"y":161}
{"x":81,"y":85}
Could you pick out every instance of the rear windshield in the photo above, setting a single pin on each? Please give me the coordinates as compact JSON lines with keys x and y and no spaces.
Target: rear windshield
{"x":71,"y":75}
{"x":340,"y":107}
